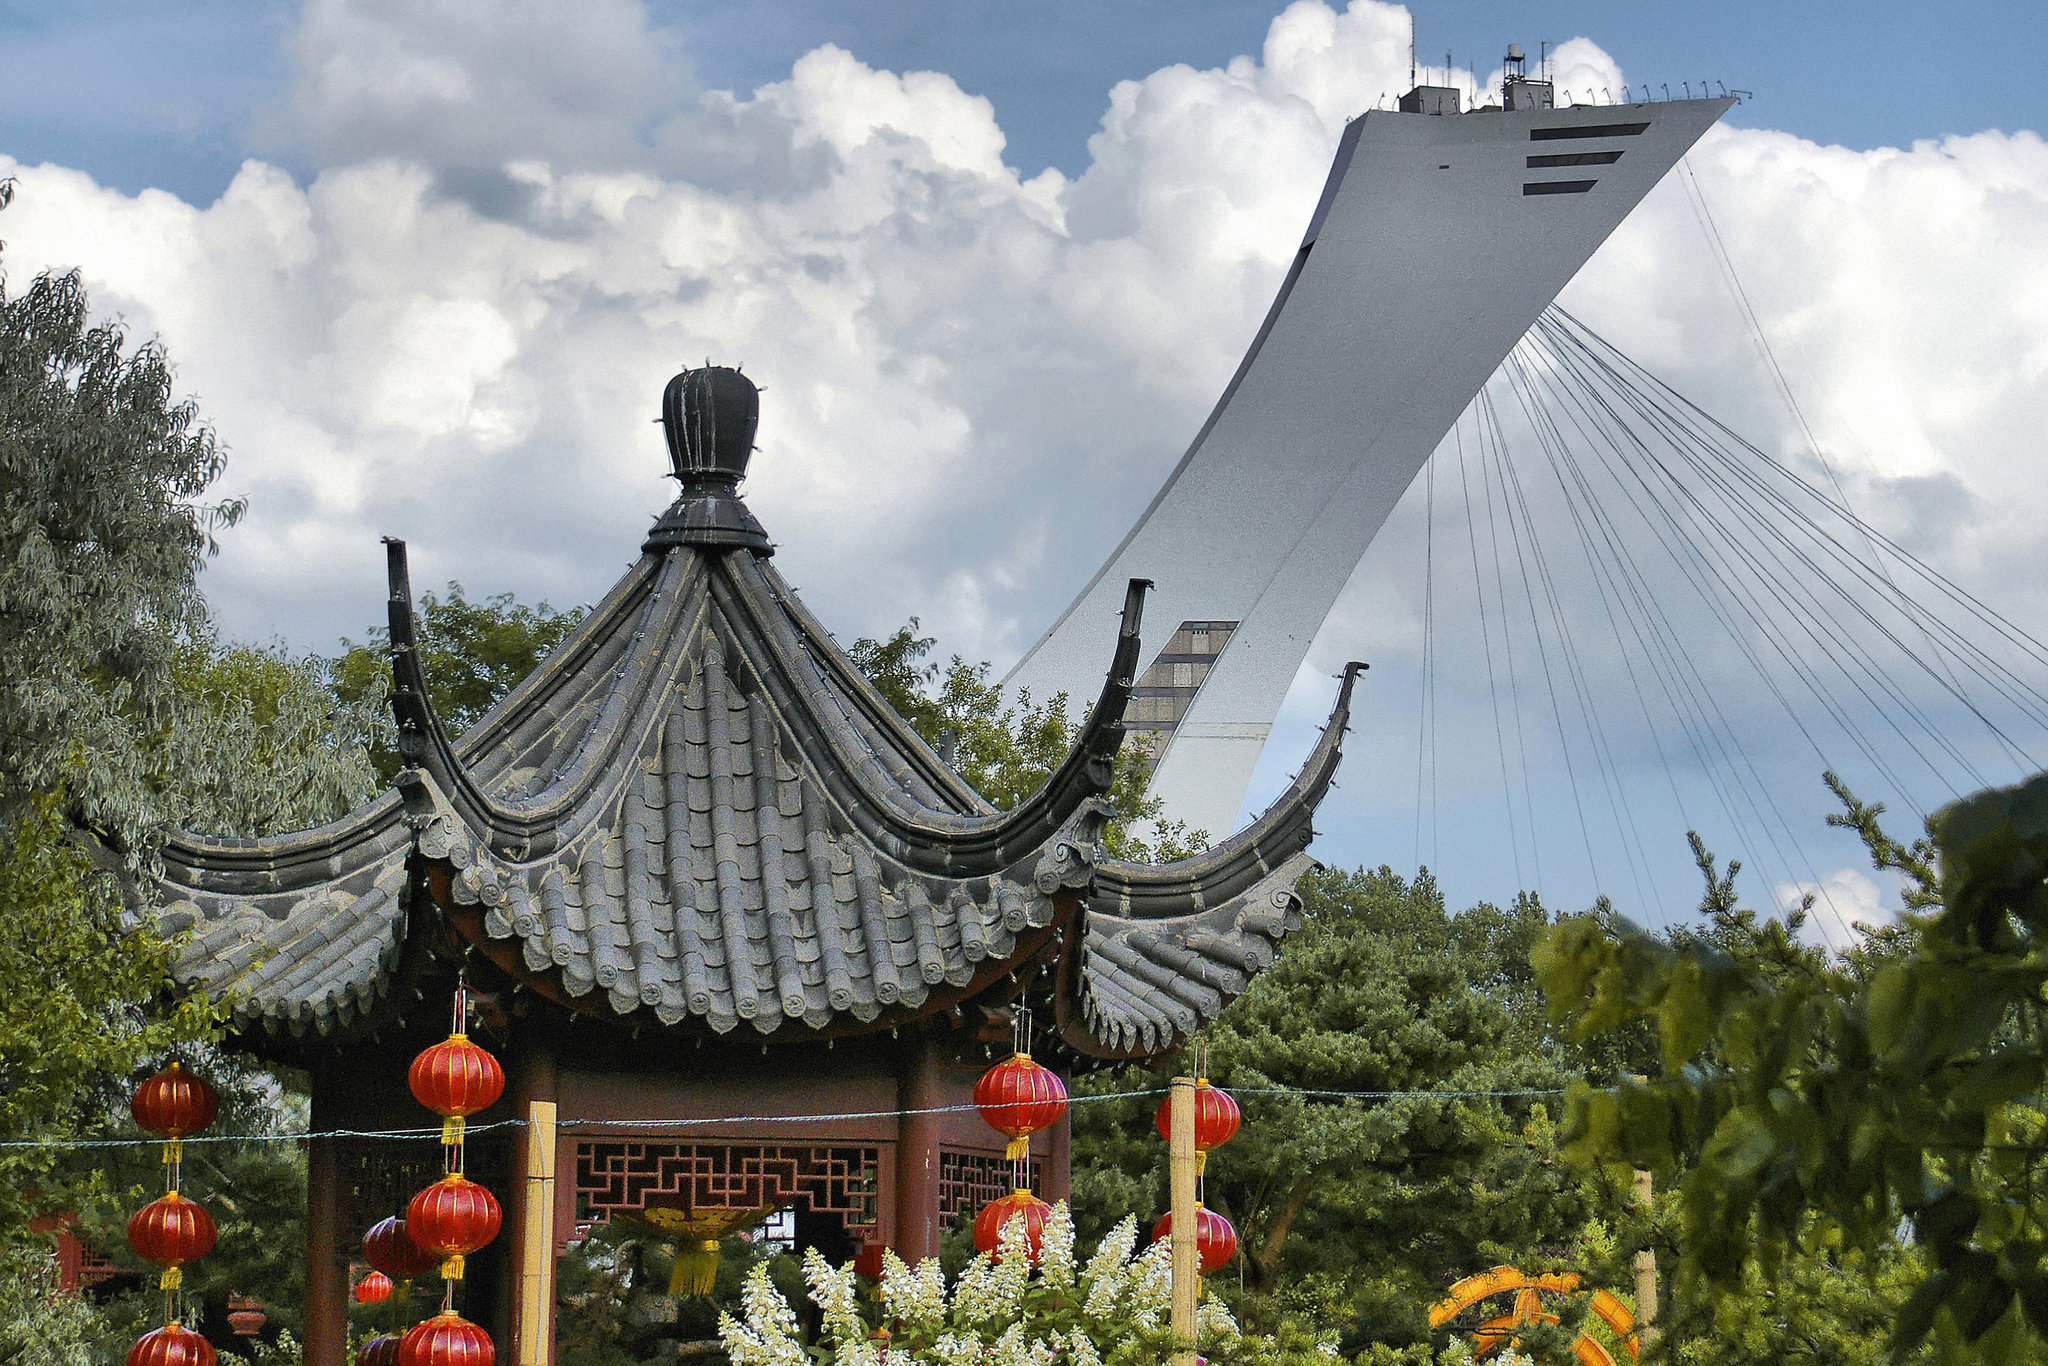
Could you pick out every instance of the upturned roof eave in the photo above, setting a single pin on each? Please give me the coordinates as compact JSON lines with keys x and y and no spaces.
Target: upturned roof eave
{"x":807,"y":674}
{"x":1154,"y":891}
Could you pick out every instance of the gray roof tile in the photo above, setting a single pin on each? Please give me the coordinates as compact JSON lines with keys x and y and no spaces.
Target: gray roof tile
{"x":697,"y":809}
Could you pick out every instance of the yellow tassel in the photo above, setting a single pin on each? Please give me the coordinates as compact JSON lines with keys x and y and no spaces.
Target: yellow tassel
{"x":1019,"y":1147}
{"x":451,"y":1131}
{"x":171,"y":1279}
{"x":696,"y":1268}
{"x":174,"y":1151}
{"x":1201,"y":1161}
{"x":451,"y":1268}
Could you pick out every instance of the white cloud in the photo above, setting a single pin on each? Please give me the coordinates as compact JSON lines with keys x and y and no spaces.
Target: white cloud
{"x":519,"y":227}
{"x":1844,"y":899}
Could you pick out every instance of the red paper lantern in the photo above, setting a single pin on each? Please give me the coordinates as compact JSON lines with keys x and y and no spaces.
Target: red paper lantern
{"x":996,"y":1215}
{"x":378,"y":1351}
{"x":1215,"y":1239}
{"x":374,"y":1288}
{"x":173,"y":1103}
{"x":456,"y":1078}
{"x":172,"y":1345}
{"x":1216,"y":1119}
{"x":869,"y":1261}
{"x":447,"y":1339}
{"x":452,"y":1218}
{"x":390,"y":1249}
{"x":1018,"y":1098}
{"x":171,"y":1231}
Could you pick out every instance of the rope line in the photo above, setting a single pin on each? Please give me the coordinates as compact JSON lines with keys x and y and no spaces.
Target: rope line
{"x":565,"y":1125}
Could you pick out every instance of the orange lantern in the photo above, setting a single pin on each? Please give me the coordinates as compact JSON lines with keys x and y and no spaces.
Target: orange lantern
{"x":1215,"y":1239}
{"x":172,"y":1345}
{"x":171,"y":1231}
{"x":391,"y":1250}
{"x":452,"y":1218}
{"x":378,"y":1351}
{"x":374,"y":1288}
{"x":1216,"y":1119}
{"x":996,"y":1215}
{"x":173,"y":1103}
{"x":456,"y":1078}
{"x":1018,"y":1097}
{"x":447,"y":1339}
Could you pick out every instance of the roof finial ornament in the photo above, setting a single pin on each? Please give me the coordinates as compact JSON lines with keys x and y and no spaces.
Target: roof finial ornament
{"x":709,"y":416}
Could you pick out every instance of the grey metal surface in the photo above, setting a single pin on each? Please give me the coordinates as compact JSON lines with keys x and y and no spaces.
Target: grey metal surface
{"x":1425,"y":262}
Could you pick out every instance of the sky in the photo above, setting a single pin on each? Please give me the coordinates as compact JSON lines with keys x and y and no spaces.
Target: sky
{"x":426,"y":265}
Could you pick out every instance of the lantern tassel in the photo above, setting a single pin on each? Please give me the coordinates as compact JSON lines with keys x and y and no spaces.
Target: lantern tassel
{"x":1020,"y":1148}
{"x":451,"y":1131}
{"x":1201,"y":1162}
{"x":172,"y":1279}
{"x":451,"y":1268}
{"x":696,"y":1268}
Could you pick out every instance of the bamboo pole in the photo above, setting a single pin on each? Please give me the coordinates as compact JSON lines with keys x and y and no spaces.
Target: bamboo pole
{"x":1181,"y":1180}
{"x":1646,"y":1272}
{"x":532,"y":1331}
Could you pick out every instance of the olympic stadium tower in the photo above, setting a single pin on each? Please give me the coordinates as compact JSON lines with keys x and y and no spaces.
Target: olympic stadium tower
{"x":1440,"y":236}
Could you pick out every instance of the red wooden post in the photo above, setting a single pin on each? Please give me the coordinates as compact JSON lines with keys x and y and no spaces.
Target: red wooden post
{"x":326,"y":1304}
{"x":917,"y":1149}
{"x":1059,"y":1160}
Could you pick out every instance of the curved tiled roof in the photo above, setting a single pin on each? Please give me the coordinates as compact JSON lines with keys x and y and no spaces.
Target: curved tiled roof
{"x":698,"y":811}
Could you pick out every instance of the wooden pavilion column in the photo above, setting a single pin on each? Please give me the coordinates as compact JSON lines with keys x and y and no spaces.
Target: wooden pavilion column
{"x":325,"y":1309}
{"x":917,"y":1148}
{"x":1059,"y":1160}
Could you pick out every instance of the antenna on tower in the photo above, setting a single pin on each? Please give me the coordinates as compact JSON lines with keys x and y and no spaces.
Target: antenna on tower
{"x":1411,"y":49}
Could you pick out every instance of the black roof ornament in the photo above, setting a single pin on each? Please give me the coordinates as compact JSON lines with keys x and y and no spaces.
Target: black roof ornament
{"x":709,"y":416}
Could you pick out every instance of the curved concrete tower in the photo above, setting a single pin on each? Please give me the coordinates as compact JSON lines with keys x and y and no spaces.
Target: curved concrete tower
{"x":1439,"y":238}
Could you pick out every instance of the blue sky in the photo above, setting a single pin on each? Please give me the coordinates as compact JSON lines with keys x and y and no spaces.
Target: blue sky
{"x":425,"y":263}
{"x":174,"y":95}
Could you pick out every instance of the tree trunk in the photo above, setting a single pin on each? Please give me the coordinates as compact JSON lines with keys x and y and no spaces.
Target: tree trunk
{"x":1265,"y":1262}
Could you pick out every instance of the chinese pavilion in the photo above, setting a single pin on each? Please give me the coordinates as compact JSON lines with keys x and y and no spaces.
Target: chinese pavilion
{"x":738,"y":934}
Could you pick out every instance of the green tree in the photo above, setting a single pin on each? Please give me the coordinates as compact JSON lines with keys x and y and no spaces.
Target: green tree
{"x":82,"y":1014}
{"x":1355,"y":1206}
{"x":1813,"y":1109}
{"x":473,"y":654}
{"x":1005,"y":748}
{"x":102,"y":535}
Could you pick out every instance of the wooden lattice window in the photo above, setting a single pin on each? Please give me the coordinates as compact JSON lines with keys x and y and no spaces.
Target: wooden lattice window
{"x":969,"y":1180}
{"x":379,"y":1175}
{"x":622,"y":1175}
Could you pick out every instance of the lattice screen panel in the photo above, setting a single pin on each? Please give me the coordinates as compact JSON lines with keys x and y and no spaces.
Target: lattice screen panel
{"x":968,"y":1181}
{"x":620,"y":1175}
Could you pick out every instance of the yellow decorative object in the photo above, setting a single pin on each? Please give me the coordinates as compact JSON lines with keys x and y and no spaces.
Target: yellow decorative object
{"x":698,"y":1232}
{"x":451,"y":1131}
{"x":1500,"y":1332}
{"x":451,"y":1268}
{"x":171,"y":1279}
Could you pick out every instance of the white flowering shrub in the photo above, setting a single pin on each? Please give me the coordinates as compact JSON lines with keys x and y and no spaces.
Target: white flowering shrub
{"x":999,"y":1312}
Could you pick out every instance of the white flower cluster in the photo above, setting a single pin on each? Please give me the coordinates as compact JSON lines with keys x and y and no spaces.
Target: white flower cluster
{"x":1001,"y":1312}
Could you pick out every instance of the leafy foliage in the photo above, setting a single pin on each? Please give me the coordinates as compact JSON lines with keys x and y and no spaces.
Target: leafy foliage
{"x":82,"y":1012}
{"x":1007,"y":749}
{"x":102,"y":536}
{"x":1358,"y":1209}
{"x":1812,"y":1105}
{"x":473,"y":654}
{"x":39,"y":1326}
